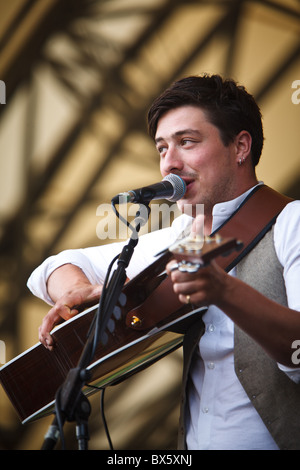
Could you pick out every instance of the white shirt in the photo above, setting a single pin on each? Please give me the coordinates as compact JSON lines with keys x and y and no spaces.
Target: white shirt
{"x":222,"y":415}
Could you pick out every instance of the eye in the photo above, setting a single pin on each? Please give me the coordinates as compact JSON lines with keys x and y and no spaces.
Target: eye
{"x":187,"y":141}
{"x":161,"y":149}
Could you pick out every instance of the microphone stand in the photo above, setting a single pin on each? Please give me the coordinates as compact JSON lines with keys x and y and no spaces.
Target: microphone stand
{"x":70,"y":402}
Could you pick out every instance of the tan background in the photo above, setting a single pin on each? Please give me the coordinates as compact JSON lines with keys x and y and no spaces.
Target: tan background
{"x":79,"y":78}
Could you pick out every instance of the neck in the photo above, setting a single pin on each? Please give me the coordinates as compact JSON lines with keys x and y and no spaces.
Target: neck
{"x":203,"y":223}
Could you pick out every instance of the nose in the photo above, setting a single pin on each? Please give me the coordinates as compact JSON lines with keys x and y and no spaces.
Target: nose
{"x":171,"y":161}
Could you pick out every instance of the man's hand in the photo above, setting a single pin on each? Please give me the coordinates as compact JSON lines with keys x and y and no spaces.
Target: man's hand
{"x":71,"y":291}
{"x":270,"y":324}
{"x":202,"y":288}
{"x":67,"y":307}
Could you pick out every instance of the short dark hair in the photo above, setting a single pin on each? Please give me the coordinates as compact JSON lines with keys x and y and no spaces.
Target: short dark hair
{"x":228,"y":106}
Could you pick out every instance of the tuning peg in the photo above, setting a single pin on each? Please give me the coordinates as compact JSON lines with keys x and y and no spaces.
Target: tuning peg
{"x":104,"y":338}
{"x":122,"y":299}
{"x":117,"y":312}
{"x":111,"y":325}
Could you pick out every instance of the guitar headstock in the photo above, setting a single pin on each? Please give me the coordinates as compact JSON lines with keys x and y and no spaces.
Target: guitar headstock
{"x":201,"y":250}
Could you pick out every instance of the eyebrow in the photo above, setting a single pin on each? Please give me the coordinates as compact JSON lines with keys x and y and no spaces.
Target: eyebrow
{"x":179,"y":133}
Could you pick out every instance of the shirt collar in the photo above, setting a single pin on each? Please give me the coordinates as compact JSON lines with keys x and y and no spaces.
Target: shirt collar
{"x":223,"y":210}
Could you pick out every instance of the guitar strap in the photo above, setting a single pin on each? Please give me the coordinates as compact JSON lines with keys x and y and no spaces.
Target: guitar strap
{"x":249,"y":223}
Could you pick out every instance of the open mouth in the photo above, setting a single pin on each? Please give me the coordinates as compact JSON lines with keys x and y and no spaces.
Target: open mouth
{"x":189,"y":182}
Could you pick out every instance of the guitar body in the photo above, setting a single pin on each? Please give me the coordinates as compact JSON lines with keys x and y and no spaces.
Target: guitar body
{"x":140,"y":332}
{"x":32,"y":379}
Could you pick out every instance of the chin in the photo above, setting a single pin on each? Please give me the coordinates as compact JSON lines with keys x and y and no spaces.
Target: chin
{"x":186,"y":207}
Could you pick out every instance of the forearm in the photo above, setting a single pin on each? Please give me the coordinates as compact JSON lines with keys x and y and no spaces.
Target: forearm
{"x":71,"y":292}
{"x":64,"y":279}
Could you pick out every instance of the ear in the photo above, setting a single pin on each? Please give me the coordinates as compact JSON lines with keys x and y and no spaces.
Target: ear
{"x":243,"y":142}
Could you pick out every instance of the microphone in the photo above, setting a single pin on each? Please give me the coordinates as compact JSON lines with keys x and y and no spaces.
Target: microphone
{"x":172,"y":187}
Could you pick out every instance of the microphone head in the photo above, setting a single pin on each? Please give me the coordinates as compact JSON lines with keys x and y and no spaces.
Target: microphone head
{"x":179,"y":187}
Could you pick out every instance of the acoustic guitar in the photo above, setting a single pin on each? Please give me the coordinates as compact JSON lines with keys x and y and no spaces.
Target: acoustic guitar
{"x":140,"y":332}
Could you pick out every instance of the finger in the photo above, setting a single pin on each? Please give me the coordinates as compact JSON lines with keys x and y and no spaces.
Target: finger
{"x":186,"y":299}
{"x":64,"y":309}
{"x":46,"y":339}
{"x":184,"y":288}
{"x":52,"y":319}
{"x":171,"y":266}
{"x":178,"y":275}
{"x":45,"y":329}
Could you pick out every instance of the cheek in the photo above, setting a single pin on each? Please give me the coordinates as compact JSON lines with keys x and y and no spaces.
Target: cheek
{"x":210,"y":163}
{"x":202,"y":159}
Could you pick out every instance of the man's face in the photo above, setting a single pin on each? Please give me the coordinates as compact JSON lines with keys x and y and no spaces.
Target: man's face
{"x":191,"y":147}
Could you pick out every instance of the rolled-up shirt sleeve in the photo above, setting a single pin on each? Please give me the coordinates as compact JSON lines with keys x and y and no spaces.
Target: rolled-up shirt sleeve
{"x":94,"y":261}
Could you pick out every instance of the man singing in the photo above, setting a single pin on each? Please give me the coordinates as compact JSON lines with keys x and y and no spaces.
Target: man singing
{"x":240,"y":386}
